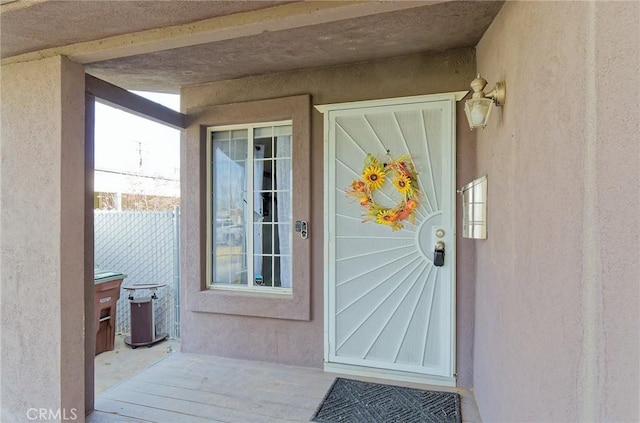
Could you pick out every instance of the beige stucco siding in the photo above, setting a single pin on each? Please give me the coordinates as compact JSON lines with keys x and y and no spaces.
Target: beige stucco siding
{"x":556,"y":328}
{"x":295,"y":342}
{"x":42,"y":238}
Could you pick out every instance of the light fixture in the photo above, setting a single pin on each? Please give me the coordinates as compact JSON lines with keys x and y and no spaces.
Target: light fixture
{"x":478,"y":108}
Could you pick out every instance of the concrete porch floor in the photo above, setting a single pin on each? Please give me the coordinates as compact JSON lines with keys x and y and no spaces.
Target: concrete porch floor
{"x":183,"y":387}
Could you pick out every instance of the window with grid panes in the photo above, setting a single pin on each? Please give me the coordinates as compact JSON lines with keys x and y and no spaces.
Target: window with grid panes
{"x":249,"y":207}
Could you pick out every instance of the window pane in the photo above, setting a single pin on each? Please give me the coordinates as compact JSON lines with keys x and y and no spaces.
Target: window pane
{"x":229,"y":207}
{"x":282,"y":203}
{"x":283,"y":181}
{"x":227,"y":135}
{"x":285,"y":233}
{"x":272,"y":203}
{"x":269,"y":131}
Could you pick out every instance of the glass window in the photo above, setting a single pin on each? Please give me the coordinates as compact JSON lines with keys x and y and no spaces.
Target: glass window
{"x":250,"y":207}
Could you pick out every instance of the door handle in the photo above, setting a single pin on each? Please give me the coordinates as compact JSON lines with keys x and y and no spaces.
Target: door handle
{"x":438,"y":254}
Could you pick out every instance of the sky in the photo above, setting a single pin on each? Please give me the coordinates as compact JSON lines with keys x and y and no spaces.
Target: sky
{"x":131,"y":144}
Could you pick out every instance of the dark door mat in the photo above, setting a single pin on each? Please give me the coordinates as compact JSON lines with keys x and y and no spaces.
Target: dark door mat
{"x":353,"y":401}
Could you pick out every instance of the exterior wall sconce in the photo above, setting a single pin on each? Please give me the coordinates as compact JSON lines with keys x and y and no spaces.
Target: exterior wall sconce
{"x":478,"y":108}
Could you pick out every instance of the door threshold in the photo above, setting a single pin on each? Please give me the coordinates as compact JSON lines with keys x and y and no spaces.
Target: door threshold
{"x":349,"y":369}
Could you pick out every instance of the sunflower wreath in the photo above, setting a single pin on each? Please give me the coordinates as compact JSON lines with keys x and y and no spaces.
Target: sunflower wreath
{"x":405,"y":180}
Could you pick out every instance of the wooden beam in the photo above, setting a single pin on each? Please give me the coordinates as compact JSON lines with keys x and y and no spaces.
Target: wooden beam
{"x":133,"y":103}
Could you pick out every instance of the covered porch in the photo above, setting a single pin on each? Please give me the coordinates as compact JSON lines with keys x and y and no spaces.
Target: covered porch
{"x":187,"y":387}
{"x":546,"y":315}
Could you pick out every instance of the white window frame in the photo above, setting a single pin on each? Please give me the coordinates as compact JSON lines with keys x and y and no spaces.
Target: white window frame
{"x":249,"y":287}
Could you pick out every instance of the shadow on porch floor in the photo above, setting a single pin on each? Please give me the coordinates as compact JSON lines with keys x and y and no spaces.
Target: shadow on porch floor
{"x":192,"y":388}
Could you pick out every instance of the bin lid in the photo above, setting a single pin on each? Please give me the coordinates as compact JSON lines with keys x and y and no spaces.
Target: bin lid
{"x":101,"y":276}
{"x":144,"y":286}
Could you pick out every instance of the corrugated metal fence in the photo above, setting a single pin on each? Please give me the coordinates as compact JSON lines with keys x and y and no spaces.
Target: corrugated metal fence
{"x":144,"y":246}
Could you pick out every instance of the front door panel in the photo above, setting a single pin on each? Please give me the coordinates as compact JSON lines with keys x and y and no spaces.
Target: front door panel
{"x":389,"y":307}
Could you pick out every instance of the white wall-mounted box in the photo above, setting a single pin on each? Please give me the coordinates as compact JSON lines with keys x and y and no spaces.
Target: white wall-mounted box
{"x":474,"y":209}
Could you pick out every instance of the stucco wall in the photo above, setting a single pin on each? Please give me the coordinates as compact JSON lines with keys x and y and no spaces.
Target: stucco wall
{"x":556,"y":335}
{"x":302,"y":342}
{"x":42,"y":239}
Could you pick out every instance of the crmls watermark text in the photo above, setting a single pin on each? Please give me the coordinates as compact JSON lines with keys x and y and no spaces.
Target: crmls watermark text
{"x":47,"y":414}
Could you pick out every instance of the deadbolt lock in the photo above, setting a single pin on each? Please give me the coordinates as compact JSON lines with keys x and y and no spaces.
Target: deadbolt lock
{"x":302,"y":227}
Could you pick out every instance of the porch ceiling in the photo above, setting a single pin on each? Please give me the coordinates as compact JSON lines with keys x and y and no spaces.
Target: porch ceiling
{"x":162,"y":45}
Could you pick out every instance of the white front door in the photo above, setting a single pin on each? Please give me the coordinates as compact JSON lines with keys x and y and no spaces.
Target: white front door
{"x":388,"y":306}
